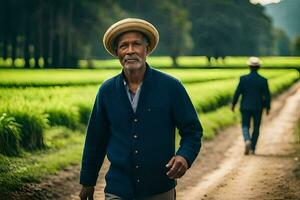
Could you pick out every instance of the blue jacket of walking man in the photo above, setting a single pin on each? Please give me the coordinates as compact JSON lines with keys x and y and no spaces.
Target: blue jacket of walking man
{"x":255,"y":97}
{"x":133,"y":123}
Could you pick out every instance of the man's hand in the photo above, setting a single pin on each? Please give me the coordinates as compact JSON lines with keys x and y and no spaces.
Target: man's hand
{"x":232,"y":108}
{"x":177,"y":167}
{"x":87,"y":193}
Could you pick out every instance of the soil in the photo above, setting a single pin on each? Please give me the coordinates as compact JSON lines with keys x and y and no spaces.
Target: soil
{"x":221,"y":171}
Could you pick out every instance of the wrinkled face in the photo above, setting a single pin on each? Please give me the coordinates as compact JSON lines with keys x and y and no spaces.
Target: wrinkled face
{"x":132,"y":50}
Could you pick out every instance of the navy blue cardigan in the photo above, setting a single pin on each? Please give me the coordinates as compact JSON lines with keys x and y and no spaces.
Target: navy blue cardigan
{"x":139,"y":145}
{"x":255,"y":92}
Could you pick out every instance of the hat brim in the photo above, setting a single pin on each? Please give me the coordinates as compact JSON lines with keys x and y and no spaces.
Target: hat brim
{"x":128,"y":25}
{"x":253,"y":64}
{"x":254,"y":61}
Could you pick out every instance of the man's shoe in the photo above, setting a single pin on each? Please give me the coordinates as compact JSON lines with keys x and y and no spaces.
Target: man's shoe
{"x":252,"y":152}
{"x":247,"y":147}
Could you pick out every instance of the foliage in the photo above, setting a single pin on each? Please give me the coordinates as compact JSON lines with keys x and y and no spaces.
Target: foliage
{"x":217,"y":120}
{"x":285,"y":15}
{"x":226,"y":28}
{"x":32,"y":121}
{"x":84,"y":111}
{"x":33,"y":125}
{"x":62,"y":114}
{"x":282,"y":43}
{"x":176,"y":38}
{"x":58,"y":31}
{"x":64,"y":149}
{"x":56,"y":34}
{"x":296,"y":46}
{"x":10,"y":138}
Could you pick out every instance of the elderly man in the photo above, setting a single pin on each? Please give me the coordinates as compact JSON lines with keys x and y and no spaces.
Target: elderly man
{"x":255,"y":96}
{"x":133,"y":122}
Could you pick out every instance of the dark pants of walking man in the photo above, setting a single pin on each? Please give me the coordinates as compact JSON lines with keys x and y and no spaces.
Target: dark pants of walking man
{"x":247,"y":115}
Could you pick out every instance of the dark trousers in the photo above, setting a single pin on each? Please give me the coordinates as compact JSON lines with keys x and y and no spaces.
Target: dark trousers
{"x":169,"y":195}
{"x":247,"y":115}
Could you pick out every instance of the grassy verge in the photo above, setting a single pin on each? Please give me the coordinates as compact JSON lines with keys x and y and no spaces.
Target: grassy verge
{"x":218,"y":119}
{"x":84,"y":77}
{"x":64,"y":148}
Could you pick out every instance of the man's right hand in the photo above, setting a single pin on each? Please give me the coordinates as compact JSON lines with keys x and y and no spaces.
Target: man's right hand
{"x":87,"y":193}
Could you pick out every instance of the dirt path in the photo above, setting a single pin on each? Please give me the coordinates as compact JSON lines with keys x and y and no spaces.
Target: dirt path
{"x":221,"y":171}
{"x":268,"y":174}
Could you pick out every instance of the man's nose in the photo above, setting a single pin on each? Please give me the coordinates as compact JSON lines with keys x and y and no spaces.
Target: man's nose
{"x":130,"y":49}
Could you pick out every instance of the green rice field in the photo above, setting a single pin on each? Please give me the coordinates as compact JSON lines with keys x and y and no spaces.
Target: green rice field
{"x":44,"y":113}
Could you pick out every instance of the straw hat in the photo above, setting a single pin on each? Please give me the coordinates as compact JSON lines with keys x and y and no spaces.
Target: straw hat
{"x":254,"y":61}
{"x":126,"y":25}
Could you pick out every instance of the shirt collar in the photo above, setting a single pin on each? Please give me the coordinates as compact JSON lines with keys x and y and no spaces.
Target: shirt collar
{"x":147,"y":74}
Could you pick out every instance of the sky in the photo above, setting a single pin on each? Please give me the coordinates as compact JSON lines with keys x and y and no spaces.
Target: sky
{"x":264,"y":2}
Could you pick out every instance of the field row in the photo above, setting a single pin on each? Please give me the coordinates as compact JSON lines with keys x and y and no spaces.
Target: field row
{"x":206,"y":96}
{"x":40,"y":78}
{"x":54,"y":118}
{"x":37,"y":108}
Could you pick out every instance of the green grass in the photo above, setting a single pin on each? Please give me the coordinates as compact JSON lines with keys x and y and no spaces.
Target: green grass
{"x":39,"y":107}
{"x":64,"y":149}
{"x":51,"y":77}
{"x":61,"y":77}
{"x":10,"y":135}
{"x":218,"y":119}
{"x":71,"y":106}
{"x":209,"y":96}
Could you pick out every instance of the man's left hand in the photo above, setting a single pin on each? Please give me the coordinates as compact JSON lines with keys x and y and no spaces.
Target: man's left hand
{"x":232,"y":108}
{"x":177,"y":167}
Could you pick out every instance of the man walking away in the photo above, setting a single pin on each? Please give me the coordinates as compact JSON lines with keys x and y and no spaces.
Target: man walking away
{"x":255,"y":97}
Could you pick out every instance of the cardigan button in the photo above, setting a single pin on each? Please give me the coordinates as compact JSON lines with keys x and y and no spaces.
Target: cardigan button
{"x":138,"y":180}
{"x":135,"y":120}
{"x":137,"y":166}
{"x":136,"y":152}
{"x":135,"y":136}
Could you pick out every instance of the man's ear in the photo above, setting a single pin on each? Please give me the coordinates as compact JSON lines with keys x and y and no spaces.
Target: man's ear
{"x":116,"y":52}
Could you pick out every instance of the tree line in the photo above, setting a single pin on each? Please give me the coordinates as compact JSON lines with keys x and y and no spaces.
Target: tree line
{"x":62,"y":32}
